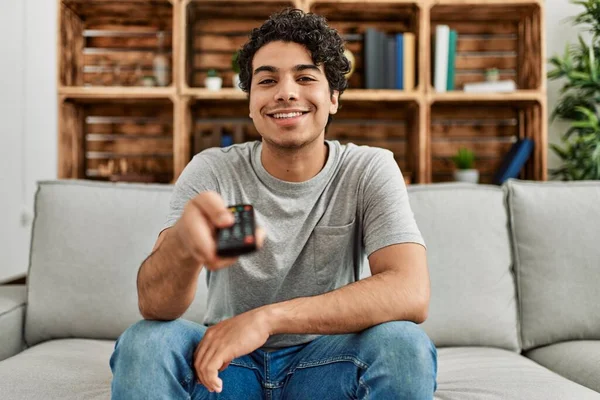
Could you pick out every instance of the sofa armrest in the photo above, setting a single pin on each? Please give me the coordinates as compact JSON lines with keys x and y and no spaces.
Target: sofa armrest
{"x":13,"y":299}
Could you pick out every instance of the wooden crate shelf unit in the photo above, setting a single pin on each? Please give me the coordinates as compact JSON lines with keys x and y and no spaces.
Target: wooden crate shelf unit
{"x":112,"y":125}
{"x":117,"y":140}
{"x":493,"y":35}
{"x":115,"y":43}
{"x":489,"y":129}
{"x":215,"y":30}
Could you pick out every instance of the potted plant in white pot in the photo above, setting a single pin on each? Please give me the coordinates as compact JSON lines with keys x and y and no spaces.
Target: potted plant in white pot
{"x":213,"y":81}
{"x":464,"y":161}
{"x":236,"y":70}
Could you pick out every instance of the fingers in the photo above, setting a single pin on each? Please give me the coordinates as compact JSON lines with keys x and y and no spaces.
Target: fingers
{"x":207,"y":364}
{"x":260,"y":237}
{"x":214,"y":209}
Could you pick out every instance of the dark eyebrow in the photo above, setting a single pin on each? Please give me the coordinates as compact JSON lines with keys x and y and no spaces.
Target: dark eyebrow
{"x":297,"y":68}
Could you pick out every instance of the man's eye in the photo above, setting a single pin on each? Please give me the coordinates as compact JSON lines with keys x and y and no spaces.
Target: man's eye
{"x":307,"y":79}
{"x":265,"y":81}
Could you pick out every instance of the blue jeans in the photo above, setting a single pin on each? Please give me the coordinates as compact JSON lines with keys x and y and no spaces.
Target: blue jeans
{"x":393,"y":360}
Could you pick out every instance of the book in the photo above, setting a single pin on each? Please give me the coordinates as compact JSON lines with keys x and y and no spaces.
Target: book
{"x":399,"y":61}
{"x":488,"y":87}
{"x":440,"y":75}
{"x":514,"y":161}
{"x":372,"y":58}
{"x":409,"y":61}
{"x":390,"y":64}
{"x":452,"y":39}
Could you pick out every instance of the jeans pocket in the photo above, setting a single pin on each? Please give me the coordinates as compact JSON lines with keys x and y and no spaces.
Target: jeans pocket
{"x":334,"y":247}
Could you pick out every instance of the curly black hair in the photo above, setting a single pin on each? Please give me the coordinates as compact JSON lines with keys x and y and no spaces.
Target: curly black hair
{"x":308,"y":29}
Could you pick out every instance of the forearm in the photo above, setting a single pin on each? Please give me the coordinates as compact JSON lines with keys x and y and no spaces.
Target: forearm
{"x":167,"y":281}
{"x":384,"y":297}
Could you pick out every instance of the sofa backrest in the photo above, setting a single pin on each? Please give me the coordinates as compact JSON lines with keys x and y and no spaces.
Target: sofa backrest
{"x":556,"y":234}
{"x":88,"y":241}
{"x":465,"y":228}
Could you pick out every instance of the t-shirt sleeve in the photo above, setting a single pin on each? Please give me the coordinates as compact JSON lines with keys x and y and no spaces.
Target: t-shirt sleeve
{"x":387,"y":216}
{"x":196,"y":177}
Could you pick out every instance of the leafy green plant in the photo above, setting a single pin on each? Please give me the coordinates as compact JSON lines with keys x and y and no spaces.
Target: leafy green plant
{"x":212,"y":73}
{"x":579,"y":67}
{"x":464,"y":158}
{"x":234,"y":62}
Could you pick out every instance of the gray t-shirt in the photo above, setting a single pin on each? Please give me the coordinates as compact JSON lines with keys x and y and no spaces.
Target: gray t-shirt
{"x":318,"y":231}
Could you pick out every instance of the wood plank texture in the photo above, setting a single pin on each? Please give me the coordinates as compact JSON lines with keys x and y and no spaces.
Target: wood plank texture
{"x":132,"y":140}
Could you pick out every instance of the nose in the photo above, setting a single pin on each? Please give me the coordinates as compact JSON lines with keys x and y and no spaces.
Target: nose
{"x":286,"y":90}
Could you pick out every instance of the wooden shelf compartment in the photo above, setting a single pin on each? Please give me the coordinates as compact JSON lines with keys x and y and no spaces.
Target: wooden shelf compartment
{"x":505,"y":35}
{"x":489,"y":128}
{"x":130,"y":140}
{"x":389,"y":124}
{"x":113,"y":43}
{"x":214,"y":30}
{"x":351,"y":19}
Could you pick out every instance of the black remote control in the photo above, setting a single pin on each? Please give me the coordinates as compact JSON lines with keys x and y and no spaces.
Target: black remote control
{"x":239,"y":238}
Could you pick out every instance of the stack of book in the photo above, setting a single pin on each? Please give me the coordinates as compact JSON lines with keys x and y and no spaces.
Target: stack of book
{"x":389,"y":60}
{"x":444,"y":67}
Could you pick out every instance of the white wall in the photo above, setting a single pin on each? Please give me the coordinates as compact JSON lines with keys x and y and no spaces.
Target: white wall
{"x":28,"y":111}
{"x":28,"y":115}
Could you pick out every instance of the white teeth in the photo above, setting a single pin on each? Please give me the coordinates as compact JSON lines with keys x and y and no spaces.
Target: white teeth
{"x":288,"y":115}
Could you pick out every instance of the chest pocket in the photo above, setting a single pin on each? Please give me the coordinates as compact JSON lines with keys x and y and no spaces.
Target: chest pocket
{"x":333,"y":249}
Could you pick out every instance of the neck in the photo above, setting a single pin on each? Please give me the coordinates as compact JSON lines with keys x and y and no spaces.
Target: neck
{"x":294,"y":165}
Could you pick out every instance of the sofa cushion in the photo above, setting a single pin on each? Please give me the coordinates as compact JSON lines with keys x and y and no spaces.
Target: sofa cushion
{"x":486,"y":373}
{"x":472,"y":289}
{"x":12,"y":316}
{"x":59,"y":369}
{"x":88,"y":241}
{"x":576,"y":360}
{"x":555,"y":229}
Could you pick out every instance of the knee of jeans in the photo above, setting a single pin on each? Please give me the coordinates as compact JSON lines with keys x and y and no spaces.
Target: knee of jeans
{"x":401,"y":344}
{"x":148,"y":337}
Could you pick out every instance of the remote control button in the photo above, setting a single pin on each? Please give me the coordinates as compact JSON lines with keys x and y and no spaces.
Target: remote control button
{"x":247,"y":208}
{"x":249,"y":240}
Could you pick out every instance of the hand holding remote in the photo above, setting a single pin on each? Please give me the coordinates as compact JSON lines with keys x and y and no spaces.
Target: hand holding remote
{"x":203,"y":218}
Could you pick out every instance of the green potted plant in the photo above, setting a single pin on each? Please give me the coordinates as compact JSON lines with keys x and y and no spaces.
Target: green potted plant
{"x":235,"y":66}
{"x":213,"y":81}
{"x":464,"y":161}
{"x":579,"y":67}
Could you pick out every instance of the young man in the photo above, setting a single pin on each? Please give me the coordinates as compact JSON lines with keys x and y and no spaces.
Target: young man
{"x":291,"y":320}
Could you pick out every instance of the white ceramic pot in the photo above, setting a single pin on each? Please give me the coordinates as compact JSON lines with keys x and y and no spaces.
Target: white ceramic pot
{"x":466,"y":175}
{"x":236,"y":81}
{"x":213,"y":82}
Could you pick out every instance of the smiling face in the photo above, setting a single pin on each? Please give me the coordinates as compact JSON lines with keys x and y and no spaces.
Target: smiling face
{"x":290,"y":100}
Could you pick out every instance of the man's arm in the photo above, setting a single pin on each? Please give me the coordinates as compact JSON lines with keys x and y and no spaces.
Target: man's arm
{"x":167,"y":279}
{"x":397,"y":290}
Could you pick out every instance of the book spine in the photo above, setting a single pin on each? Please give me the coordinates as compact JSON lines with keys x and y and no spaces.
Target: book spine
{"x":409,"y":61}
{"x":370,"y":58}
{"x":399,"y":61}
{"x":391,"y":62}
{"x":483,"y":87}
{"x":453,"y":38}
{"x":442,"y":33}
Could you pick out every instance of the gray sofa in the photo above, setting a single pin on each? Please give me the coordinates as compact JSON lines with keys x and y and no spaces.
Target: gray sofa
{"x":515,"y":308}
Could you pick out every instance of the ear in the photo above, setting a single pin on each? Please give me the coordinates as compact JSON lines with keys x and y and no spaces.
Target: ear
{"x":334,"y":102}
